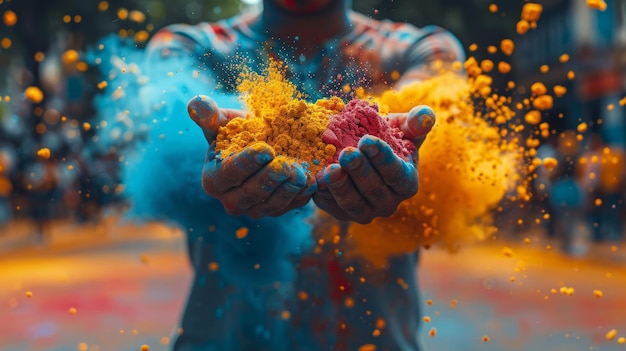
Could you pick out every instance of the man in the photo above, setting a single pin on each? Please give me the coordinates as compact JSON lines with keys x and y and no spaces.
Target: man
{"x":279,"y":288}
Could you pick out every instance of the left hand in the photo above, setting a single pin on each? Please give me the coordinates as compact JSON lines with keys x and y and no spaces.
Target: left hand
{"x":371,"y":180}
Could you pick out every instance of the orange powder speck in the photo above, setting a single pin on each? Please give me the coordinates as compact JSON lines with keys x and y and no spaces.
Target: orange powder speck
{"x":137,"y":16}
{"x":486,"y":65}
{"x":559,"y":90}
{"x":582,"y":127}
{"x":507,"y":46}
{"x":6,"y":43}
{"x":285,"y":315}
{"x":611,"y":334}
{"x":376,"y":333}
{"x":473,"y":47}
{"x":597,"y":202}
{"x":544,"y":68}
{"x":526,"y":241}
{"x":165,"y":340}
{"x":44,"y":153}
{"x":426,"y":319}
{"x":571,"y":75}
{"x":531,"y":12}
{"x":395,"y":75}
{"x":67,"y":19}
{"x":367,"y":347}
{"x":302,"y":295}
{"x":39,"y":56}
{"x":29,"y":294}
{"x":103,"y":6}
{"x":550,"y":162}
{"x":241,"y":232}
{"x":543,"y":102}
{"x":522,"y":27}
{"x":380,"y":323}
{"x":72,"y":311}
{"x":281,"y":119}
{"x":145,"y":347}
{"x":122,"y":13}
{"x":532,"y":117}
{"x":598,"y":293}
{"x":432,"y":332}
{"x":597,"y":4}
{"x":610,"y":107}
{"x":70,"y":56}
{"x":538,"y":88}
{"x":564,"y":58}
{"x":349,"y":302}
{"x":485,"y":338}
{"x":506,"y":251}
{"x":493,"y":8}
{"x":429,"y":302}
{"x":214,"y":266}
{"x":141,"y":36}
{"x":82,"y":66}
{"x":103,"y":84}
{"x":9,"y":18}
{"x":504,"y":67}
{"x":621,"y":340}
{"x":33,"y":94}
{"x":453,"y":303}
{"x":492,"y":49}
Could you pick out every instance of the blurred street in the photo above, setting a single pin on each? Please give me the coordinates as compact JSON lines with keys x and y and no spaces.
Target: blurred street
{"x":128,"y":285}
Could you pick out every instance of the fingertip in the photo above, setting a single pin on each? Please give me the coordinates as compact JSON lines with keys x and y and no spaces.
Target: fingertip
{"x":372,"y":146}
{"x":350,"y":157}
{"x":204,"y":111}
{"x":420,"y":121}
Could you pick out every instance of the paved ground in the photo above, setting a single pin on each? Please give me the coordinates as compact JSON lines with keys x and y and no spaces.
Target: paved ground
{"x":128,"y":286}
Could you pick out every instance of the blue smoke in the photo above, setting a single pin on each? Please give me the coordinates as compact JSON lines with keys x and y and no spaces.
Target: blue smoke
{"x":143,"y":116}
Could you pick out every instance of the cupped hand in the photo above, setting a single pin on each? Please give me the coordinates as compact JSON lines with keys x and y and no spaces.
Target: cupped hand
{"x":252,"y":182}
{"x":371,"y":180}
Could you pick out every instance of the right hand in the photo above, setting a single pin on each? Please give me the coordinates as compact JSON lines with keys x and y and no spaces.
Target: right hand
{"x":245,"y":183}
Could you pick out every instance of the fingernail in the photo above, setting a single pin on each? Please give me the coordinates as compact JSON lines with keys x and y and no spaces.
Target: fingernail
{"x":350,"y":159}
{"x":263,"y":158}
{"x":370,"y":146}
{"x":293,"y":188}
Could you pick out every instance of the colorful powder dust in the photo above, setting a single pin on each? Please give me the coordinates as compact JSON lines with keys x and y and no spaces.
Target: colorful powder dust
{"x":466,"y":167}
{"x":280,"y":118}
{"x":360,"y":118}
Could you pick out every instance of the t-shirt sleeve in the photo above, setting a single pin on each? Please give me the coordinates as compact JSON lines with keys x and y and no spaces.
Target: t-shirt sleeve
{"x":432,"y":44}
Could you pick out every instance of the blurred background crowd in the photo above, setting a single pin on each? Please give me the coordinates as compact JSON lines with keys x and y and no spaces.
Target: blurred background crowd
{"x":43,"y":44}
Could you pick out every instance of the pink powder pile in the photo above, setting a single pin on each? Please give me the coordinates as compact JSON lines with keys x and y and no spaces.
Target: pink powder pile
{"x":361,"y":118}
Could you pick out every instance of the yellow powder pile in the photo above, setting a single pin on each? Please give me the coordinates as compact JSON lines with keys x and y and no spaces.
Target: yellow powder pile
{"x":467,"y":164}
{"x":280,"y":118}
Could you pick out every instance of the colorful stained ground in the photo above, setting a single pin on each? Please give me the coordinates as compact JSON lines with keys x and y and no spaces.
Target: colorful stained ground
{"x":128,"y":285}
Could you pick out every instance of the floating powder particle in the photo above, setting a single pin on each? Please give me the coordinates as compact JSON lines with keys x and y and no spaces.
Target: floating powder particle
{"x":360,"y":118}
{"x":280,"y":118}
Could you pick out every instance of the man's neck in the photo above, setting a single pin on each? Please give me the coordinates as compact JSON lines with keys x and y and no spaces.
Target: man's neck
{"x":310,"y":29}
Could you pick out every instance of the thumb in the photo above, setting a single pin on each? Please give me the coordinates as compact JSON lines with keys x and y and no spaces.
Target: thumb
{"x":204,"y":111}
{"x":416,"y":124}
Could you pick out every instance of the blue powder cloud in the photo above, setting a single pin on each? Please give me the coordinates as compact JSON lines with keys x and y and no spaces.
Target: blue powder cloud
{"x":145,"y":118}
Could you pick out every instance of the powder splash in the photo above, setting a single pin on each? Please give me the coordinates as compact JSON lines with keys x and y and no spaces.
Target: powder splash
{"x":360,"y":118}
{"x":281,"y":118}
{"x":466,"y":167}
